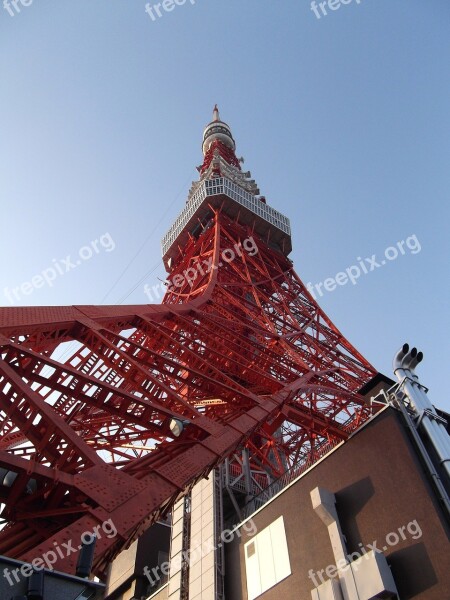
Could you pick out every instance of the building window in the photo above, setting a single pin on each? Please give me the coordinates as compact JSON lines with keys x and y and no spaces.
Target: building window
{"x":266,"y":559}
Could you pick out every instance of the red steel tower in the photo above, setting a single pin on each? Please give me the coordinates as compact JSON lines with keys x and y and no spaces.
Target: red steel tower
{"x":114,"y":412}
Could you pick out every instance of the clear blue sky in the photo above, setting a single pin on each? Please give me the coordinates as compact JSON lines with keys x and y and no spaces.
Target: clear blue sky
{"x":343,"y":121}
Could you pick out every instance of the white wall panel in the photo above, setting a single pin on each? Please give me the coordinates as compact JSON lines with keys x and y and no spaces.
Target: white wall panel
{"x":280,"y":550}
{"x":266,"y":559}
{"x":252,"y":570}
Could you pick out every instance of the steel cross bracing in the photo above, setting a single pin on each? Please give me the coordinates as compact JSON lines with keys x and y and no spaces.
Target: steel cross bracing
{"x":244,"y":355}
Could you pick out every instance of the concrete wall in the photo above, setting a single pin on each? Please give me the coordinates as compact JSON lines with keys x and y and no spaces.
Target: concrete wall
{"x":176,"y":549}
{"x":122,"y":568}
{"x":163,"y":594}
{"x":202,"y":568}
{"x":380,"y":487}
{"x":127,"y":577}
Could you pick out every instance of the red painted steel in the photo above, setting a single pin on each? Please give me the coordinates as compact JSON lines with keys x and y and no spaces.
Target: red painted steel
{"x":241,"y":353}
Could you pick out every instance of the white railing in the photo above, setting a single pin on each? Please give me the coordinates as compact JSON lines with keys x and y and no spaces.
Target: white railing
{"x":215,"y":187}
{"x":279,"y":484}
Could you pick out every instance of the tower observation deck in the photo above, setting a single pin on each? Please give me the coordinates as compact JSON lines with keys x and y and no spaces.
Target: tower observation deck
{"x":223,"y":185}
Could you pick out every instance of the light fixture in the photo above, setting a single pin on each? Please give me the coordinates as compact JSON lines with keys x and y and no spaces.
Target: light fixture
{"x":176,"y":426}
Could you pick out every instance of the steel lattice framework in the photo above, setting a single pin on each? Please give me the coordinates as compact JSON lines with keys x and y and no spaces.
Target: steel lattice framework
{"x":240,"y":355}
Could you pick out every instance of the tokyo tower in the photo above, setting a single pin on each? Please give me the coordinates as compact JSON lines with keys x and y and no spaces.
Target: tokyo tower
{"x":115,"y":412}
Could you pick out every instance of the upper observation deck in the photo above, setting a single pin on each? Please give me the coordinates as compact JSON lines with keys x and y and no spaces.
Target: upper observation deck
{"x":235,"y":202}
